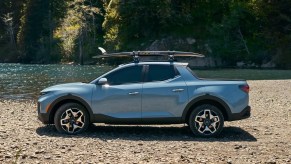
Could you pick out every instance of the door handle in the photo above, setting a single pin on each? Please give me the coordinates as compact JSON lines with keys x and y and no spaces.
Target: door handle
{"x":178,"y":90}
{"x":133,"y":93}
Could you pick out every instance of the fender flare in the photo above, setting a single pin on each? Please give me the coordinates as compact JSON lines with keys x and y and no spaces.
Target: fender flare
{"x":69,"y":97}
{"x":205,"y":98}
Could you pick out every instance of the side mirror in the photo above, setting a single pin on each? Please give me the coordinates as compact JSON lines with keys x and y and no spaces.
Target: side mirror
{"x":102,"y":81}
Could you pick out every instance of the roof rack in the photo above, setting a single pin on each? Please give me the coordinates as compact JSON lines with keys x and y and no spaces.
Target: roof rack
{"x":136,"y":54}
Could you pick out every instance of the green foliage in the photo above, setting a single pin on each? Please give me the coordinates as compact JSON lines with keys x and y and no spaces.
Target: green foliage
{"x":143,"y":20}
{"x":81,"y":30}
{"x":39,"y":18}
{"x":48,"y":31}
{"x":278,"y":30}
{"x":8,"y":54}
{"x":262,"y":38}
{"x":32,"y":31}
{"x":231,"y":30}
{"x":230,"y":35}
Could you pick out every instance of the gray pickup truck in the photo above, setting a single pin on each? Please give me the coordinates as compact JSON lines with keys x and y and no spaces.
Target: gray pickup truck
{"x":146,"y":93}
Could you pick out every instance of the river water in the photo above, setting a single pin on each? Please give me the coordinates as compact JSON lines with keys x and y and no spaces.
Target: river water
{"x":24,"y":82}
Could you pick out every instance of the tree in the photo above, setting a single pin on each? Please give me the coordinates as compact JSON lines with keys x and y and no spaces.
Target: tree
{"x":81,"y":30}
{"x":9,"y":26}
{"x":8,"y":20}
{"x":35,"y":37}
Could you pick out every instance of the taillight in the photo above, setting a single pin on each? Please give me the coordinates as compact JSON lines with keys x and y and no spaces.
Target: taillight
{"x":245,"y":88}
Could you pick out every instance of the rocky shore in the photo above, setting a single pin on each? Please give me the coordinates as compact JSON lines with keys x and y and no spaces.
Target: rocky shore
{"x":263,"y":138}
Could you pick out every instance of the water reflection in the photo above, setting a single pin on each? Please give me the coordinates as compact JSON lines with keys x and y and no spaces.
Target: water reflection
{"x":19,"y":81}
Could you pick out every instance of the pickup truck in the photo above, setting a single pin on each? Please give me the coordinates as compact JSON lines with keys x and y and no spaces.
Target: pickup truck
{"x":146,"y":93}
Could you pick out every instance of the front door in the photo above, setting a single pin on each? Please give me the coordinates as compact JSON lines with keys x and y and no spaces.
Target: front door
{"x":120,"y":99}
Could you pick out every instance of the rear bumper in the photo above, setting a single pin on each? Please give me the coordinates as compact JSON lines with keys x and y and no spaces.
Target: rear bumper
{"x":245,"y":113}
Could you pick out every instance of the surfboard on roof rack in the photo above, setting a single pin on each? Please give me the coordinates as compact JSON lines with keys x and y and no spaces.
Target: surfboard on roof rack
{"x":135,"y":54}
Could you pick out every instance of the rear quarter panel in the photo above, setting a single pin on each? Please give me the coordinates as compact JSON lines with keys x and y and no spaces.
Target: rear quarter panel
{"x":227,"y":91}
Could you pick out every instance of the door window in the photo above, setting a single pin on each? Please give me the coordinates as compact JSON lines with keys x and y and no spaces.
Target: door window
{"x":161,"y":72}
{"x":132,"y":74}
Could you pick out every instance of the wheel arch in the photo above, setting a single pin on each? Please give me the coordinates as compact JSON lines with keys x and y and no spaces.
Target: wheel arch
{"x":67,"y":99}
{"x":206,"y":99}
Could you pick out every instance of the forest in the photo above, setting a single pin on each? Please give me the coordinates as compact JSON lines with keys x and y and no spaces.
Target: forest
{"x":253,"y":32}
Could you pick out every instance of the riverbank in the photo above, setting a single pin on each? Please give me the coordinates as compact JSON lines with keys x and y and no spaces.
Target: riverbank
{"x":263,"y":138}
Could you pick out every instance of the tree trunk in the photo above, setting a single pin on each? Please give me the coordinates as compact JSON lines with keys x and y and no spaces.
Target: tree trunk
{"x":81,"y":58}
{"x":50,"y":29}
{"x":8,"y":20}
{"x":243,"y":40}
{"x":93,"y":24}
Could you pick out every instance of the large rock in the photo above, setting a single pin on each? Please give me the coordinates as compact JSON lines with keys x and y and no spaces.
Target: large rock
{"x":186,"y":44}
{"x":269,"y":64}
{"x":202,"y":62}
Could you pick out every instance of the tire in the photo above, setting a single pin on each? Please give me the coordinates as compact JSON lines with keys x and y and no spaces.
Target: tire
{"x":71,"y":118}
{"x":206,"y":121}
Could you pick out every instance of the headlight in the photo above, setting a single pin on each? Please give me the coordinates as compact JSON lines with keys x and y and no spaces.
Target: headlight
{"x":44,"y":93}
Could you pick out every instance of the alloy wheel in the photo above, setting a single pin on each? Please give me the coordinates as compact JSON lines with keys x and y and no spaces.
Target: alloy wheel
{"x":207,"y":121}
{"x":72,"y":120}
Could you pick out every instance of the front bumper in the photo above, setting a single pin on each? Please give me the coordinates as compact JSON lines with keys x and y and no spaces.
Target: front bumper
{"x":43,"y":117}
{"x":245,"y":113}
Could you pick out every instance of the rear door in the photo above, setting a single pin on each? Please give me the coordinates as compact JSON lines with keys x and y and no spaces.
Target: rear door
{"x":164,"y":93}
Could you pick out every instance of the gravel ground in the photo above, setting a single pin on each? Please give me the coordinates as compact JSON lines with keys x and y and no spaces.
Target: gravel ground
{"x":263,"y":138}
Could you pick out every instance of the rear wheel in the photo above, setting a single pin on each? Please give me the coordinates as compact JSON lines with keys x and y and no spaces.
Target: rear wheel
{"x":71,"y":118}
{"x":206,"y":121}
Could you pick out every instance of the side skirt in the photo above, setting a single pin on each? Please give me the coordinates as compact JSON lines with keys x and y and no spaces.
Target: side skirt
{"x":100,"y":118}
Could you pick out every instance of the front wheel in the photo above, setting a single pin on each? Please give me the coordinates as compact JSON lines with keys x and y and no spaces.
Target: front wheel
{"x":206,"y":121}
{"x":71,"y":118}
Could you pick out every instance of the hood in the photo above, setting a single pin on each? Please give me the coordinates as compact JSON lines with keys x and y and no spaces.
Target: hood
{"x":66,"y":86}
